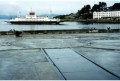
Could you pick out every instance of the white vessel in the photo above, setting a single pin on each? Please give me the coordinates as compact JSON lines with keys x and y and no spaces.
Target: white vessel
{"x":31,"y":18}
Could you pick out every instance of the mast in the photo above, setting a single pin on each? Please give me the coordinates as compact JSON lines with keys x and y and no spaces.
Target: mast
{"x":19,"y":14}
{"x":50,"y":13}
{"x":31,"y":9}
{"x":31,"y":12}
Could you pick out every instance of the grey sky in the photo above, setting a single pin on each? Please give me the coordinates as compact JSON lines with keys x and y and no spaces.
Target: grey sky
{"x":12,"y":7}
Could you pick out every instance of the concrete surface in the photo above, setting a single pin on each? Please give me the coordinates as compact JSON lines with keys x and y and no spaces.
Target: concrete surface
{"x":25,"y":65}
{"x":75,"y":67}
{"x":109,"y":59}
{"x":22,"y":58}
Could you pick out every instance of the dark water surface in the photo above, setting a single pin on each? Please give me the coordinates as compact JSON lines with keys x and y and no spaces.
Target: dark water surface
{"x":4,"y":26}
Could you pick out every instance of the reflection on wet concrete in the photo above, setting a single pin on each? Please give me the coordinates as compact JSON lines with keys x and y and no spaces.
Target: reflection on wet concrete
{"x":75,"y":67}
{"x":38,"y":41}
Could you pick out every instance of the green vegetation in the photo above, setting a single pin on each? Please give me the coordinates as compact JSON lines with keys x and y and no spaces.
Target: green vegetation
{"x":116,"y":6}
{"x":86,"y":12}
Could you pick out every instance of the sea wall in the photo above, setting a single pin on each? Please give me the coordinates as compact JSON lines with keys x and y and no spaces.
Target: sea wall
{"x":63,"y":31}
{"x":99,"y":21}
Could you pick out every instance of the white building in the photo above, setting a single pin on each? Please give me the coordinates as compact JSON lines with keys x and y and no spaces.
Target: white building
{"x":107,"y":14}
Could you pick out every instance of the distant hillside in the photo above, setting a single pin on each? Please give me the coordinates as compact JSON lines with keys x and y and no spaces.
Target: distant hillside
{"x":50,"y":15}
{"x":68,"y":17}
{"x":86,"y":12}
{"x":6,"y":17}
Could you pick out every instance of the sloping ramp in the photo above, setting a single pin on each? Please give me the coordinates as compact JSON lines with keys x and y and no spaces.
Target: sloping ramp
{"x":75,"y":67}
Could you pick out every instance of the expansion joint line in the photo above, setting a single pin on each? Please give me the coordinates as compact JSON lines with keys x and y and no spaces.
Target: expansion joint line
{"x":101,"y":48}
{"x":53,"y":63}
{"x":97,"y":65}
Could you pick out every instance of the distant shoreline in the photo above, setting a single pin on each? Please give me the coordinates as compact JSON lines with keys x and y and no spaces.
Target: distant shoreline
{"x":99,"y":21}
{"x":91,"y":21}
{"x":88,"y":21}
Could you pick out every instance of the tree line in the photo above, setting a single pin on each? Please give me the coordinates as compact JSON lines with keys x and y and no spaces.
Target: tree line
{"x":86,"y":12}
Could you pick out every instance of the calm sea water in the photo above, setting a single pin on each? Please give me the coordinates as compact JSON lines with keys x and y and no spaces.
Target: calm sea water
{"x":4,"y":26}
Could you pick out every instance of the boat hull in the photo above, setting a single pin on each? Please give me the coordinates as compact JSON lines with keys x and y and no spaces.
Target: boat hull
{"x":34,"y":22}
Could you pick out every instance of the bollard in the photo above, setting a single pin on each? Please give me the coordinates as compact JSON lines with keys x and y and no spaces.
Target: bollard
{"x":18,"y":33}
{"x":108,"y":29}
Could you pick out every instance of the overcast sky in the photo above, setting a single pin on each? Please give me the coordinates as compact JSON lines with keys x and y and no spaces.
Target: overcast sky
{"x":13,"y":7}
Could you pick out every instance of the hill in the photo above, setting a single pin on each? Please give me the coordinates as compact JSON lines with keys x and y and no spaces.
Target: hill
{"x":86,"y":12}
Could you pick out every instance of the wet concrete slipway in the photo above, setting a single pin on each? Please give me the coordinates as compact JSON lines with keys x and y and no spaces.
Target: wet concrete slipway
{"x":94,"y":56}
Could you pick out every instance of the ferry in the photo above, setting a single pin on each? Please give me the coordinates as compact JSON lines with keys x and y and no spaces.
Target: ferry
{"x":31,"y":18}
